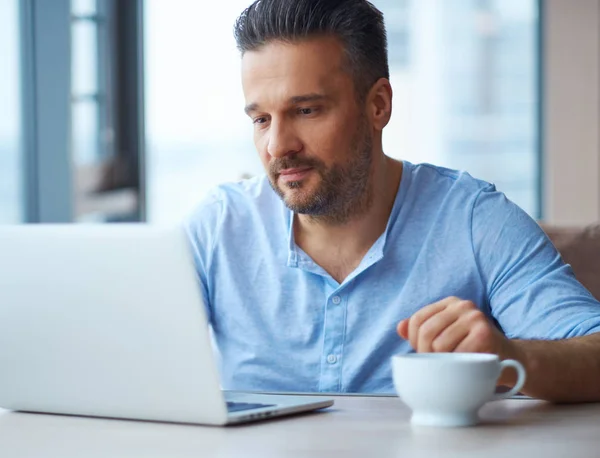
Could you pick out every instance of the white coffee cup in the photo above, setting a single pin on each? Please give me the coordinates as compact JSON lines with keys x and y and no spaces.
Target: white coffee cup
{"x":448,"y":389}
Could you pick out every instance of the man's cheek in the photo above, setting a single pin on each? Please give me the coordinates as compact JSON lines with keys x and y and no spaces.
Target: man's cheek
{"x":265,"y":158}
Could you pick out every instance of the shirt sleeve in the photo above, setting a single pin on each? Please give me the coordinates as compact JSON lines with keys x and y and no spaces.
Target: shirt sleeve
{"x":202,"y":228}
{"x":532,"y":293}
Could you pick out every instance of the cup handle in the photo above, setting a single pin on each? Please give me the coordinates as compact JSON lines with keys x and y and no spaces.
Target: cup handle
{"x":520,"y":378}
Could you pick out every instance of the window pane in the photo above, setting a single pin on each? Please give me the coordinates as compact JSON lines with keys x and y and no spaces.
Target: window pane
{"x":83,"y":7}
{"x":11,"y":199}
{"x":197,"y":133}
{"x":463,"y":74}
{"x":84,"y":66}
{"x":85,"y":132}
{"x":467,"y":96}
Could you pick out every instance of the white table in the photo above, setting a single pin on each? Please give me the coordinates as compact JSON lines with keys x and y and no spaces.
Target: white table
{"x":353,"y":427}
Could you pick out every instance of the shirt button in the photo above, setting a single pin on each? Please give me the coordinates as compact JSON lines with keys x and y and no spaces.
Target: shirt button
{"x":332,"y":359}
{"x":336,"y":300}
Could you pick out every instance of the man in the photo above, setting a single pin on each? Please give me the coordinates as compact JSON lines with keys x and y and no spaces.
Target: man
{"x":340,"y":257}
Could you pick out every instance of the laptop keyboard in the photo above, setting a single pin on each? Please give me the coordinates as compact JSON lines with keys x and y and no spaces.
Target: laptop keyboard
{"x":239,"y":406}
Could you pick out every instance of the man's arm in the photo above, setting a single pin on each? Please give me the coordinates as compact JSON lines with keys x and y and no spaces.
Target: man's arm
{"x":565,"y":370}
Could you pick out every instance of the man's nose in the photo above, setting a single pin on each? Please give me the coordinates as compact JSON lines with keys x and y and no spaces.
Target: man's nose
{"x":282,"y":140}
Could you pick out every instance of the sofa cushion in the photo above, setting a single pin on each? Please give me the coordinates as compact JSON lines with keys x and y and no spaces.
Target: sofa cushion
{"x":580,"y":247}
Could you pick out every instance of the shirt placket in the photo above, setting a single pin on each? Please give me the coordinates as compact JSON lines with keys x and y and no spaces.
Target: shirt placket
{"x":333,"y":342}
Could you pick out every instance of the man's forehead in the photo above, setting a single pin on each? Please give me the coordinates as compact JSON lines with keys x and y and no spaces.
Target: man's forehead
{"x":310,"y":66}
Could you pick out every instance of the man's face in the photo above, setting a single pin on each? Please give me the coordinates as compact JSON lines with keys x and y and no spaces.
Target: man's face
{"x":312,"y":137}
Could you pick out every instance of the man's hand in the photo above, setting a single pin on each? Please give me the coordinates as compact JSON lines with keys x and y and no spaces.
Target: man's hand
{"x":565,"y":370}
{"x":453,"y":325}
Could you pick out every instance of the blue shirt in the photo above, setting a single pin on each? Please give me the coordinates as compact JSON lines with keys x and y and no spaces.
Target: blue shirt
{"x":282,"y":323}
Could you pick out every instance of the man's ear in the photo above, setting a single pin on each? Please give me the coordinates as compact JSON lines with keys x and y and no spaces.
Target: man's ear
{"x":379,"y":103}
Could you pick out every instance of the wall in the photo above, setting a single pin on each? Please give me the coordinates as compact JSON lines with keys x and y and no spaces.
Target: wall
{"x":572,"y":111}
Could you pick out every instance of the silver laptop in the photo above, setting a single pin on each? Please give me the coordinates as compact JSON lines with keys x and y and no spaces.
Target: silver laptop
{"x":108,"y":321}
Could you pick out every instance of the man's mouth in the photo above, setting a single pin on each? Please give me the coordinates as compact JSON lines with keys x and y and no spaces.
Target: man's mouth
{"x":294,"y":174}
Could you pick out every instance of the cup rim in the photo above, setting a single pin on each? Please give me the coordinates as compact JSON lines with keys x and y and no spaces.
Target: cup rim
{"x":453,"y":357}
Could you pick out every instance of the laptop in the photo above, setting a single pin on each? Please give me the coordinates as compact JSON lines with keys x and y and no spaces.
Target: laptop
{"x":108,"y":320}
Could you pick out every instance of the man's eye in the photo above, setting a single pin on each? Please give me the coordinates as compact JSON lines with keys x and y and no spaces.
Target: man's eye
{"x":306,"y":111}
{"x":260,"y":120}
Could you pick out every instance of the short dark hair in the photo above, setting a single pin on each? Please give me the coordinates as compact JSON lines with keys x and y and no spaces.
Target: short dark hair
{"x":356,"y":23}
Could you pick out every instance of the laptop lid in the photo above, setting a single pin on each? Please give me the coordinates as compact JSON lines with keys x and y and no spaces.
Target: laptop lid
{"x":104,"y":321}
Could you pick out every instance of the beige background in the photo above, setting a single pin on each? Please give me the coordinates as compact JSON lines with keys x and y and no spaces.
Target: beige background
{"x":572,"y":111}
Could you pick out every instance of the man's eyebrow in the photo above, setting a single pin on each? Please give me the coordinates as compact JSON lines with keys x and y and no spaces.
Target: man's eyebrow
{"x":293,"y":101}
{"x":307,"y":98}
{"x":250,"y":108}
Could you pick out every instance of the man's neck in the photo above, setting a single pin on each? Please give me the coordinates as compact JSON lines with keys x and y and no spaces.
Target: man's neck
{"x":339,"y":248}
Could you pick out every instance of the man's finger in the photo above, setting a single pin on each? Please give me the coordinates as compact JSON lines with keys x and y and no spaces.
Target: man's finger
{"x":422,"y":315}
{"x":434,"y":326}
{"x":451,"y":337}
{"x":478,"y":340}
{"x":402,"y":329}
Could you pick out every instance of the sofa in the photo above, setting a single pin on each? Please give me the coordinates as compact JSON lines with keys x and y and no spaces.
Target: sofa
{"x":579,"y":247}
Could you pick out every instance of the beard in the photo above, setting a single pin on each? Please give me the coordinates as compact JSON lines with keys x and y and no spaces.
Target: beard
{"x":344,"y":190}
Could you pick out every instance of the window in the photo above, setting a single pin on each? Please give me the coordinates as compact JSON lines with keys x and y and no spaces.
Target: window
{"x":468,"y":97}
{"x":86,"y":98}
{"x":11,"y":196}
{"x":103,"y":102}
{"x":464,"y":75}
{"x":197,"y":132}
